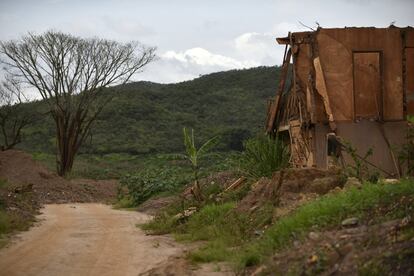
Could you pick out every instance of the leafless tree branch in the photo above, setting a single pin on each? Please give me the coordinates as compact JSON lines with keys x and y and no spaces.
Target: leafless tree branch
{"x":70,"y":73}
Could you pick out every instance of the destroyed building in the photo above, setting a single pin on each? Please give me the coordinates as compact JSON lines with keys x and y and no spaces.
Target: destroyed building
{"x":351,"y":86}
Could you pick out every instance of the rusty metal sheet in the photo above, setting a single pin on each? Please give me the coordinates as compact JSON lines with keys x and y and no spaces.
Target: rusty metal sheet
{"x":335,"y":50}
{"x":367,"y":85}
{"x":368,"y":134}
{"x":303,"y":65}
{"x":409,"y":80}
{"x":409,"y":34}
{"x":396,"y":133}
{"x":336,"y":60}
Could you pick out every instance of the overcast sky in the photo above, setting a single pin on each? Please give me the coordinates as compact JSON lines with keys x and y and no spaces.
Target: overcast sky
{"x":197,"y":36}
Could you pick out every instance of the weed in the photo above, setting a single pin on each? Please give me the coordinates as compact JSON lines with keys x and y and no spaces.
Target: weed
{"x":263,"y":155}
{"x":193,"y":155}
{"x":5,"y":224}
{"x":406,"y":155}
{"x":359,"y":168}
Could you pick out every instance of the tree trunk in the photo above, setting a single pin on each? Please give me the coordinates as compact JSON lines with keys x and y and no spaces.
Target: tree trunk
{"x":67,"y":133}
{"x":196,"y":188}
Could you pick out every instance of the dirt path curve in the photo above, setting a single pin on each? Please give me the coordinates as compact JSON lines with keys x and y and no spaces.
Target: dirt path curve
{"x":86,"y":239}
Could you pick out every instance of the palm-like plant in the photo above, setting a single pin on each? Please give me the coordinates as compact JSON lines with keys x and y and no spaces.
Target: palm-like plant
{"x":194,"y":155}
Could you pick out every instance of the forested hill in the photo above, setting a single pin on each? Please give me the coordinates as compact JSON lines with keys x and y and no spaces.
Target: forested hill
{"x":147,"y":117}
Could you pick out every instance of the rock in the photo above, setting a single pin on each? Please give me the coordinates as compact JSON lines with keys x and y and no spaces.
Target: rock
{"x":336,"y":190}
{"x":313,"y":236}
{"x":187,"y":213}
{"x":190,"y":211}
{"x":332,"y":256}
{"x":178,"y":216}
{"x":350,"y":222}
{"x":324,"y":184}
{"x":259,"y":271}
{"x":345,"y":249}
{"x":391,"y":181}
{"x":258,"y":232}
{"x":405,"y":221}
{"x":352,"y":182}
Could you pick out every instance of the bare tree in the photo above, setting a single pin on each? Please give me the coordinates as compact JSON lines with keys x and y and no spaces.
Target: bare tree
{"x":13,"y":118}
{"x":70,"y":73}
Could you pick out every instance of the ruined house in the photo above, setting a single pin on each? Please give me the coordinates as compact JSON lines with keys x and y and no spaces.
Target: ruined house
{"x":352,"y":86}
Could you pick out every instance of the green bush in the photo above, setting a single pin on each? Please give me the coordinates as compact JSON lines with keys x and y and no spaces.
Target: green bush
{"x":140,"y":186}
{"x":263,"y":155}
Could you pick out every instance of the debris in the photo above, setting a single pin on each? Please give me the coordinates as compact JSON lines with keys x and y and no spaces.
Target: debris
{"x":259,"y":271}
{"x":352,"y":182}
{"x":346,"y":248}
{"x":187,"y":213}
{"x":258,"y":232}
{"x":350,"y":222}
{"x":336,"y":90}
{"x":391,"y":181}
{"x":405,"y":221}
{"x":324,"y":185}
{"x":24,"y":189}
{"x":313,"y":236}
{"x":235,"y":184}
{"x":313,"y":259}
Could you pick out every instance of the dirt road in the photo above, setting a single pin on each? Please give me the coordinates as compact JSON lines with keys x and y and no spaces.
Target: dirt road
{"x":86,"y":239}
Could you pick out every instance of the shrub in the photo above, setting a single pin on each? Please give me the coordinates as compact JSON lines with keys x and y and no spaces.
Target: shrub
{"x":263,"y":155}
{"x":140,"y":186}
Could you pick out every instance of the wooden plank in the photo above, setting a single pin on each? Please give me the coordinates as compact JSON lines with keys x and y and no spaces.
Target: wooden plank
{"x":323,"y":91}
{"x":235,"y":184}
{"x":275,"y":105}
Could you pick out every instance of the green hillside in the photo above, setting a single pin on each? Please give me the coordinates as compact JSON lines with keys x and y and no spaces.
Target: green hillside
{"x":146,"y":117}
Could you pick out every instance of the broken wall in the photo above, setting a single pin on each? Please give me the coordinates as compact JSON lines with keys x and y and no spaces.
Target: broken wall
{"x":336,"y":51}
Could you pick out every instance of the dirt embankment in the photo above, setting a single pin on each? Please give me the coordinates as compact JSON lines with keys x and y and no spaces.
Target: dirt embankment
{"x":26,"y":185}
{"x":28,"y":176}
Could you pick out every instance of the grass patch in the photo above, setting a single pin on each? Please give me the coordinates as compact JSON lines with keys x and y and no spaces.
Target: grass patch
{"x":5,"y":224}
{"x":263,"y":156}
{"x":326,"y":211}
{"x":237,"y":238}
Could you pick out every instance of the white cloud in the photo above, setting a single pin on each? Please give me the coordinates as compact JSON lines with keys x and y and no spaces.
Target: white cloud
{"x":202,"y":57}
{"x":185,"y":65}
{"x":262,"y":48}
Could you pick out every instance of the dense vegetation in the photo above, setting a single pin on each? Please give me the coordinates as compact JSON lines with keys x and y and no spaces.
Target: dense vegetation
{"x":145,"y":118}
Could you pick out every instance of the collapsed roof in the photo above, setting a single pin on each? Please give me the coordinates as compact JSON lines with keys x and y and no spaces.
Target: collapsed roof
{"x":356,"y":84}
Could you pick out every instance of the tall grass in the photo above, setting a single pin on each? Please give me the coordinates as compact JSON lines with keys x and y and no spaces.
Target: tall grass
{"x":264,"y":155}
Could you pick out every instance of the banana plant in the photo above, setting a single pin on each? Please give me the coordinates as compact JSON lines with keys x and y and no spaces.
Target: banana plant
{"x":193,"y":155}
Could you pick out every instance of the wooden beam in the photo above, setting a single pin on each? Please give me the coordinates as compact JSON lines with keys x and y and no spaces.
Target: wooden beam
{"x":323,"y":91}
{"x":275,"y":106}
